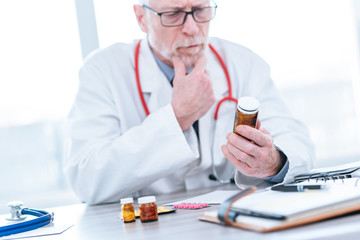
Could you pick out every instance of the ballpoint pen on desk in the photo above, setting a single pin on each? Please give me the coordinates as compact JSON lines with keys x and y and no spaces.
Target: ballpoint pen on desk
{"x":296,"y":187}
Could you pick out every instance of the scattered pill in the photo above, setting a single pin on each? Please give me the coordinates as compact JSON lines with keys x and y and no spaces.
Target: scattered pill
{"x":191,"y":205}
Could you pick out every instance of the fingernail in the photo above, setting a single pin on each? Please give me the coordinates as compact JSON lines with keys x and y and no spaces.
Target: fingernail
{"x":238,"y":129}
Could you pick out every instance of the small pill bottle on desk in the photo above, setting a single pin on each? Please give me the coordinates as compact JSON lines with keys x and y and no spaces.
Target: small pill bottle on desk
{"x":246,"y":112}
{"x":148,"y":209}
{"x":127,"y":210}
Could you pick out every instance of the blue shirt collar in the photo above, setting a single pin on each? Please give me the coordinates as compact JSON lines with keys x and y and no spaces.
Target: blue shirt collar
{"x":166,"y":69}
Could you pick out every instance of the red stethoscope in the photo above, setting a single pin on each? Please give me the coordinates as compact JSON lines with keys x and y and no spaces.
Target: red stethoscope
{"x":214,"y":176}
{"x":228,"y":98}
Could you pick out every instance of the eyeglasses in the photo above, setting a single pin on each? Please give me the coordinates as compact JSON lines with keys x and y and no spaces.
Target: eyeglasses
{"x":178,"y":18}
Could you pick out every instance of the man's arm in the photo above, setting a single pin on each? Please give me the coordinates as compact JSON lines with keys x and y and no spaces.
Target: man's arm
{"x":104,"y":158}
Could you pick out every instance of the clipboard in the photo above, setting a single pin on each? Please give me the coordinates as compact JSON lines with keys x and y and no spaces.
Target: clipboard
{"x":291,"y":208}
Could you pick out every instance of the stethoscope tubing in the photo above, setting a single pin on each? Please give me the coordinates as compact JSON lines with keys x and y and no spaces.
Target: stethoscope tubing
{"x":137,"y":76}
{"x":43,"y":218}
{"x":227,"y":98}
{"x":221,"y":61}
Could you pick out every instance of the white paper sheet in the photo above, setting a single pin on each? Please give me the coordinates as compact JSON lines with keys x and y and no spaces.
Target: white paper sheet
{"x":215,"y":197}
{"x":43,"y":231}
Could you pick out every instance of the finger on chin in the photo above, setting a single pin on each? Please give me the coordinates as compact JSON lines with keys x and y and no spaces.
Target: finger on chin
{"x":179,"y":66}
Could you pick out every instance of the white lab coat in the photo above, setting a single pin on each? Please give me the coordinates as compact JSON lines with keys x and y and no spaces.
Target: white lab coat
{"x":113,"y":150}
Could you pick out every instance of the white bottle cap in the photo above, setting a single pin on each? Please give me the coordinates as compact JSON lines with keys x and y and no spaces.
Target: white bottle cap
{"x":148,"y":199}
{"x":248,"y":105}
{"x":126,"y":200}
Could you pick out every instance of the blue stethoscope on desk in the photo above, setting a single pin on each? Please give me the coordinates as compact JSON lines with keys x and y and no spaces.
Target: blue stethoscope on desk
{"x":18,"y":215}
{"x":214,"y":176}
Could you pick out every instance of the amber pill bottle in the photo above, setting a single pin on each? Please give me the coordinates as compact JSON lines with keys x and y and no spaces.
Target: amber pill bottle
{"x":246,"y":112}
{"x":128,"y":210}
{"x":148,"y":209}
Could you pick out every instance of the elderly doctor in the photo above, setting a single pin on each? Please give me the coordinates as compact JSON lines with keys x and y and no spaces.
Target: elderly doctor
{"x":159,"y":135}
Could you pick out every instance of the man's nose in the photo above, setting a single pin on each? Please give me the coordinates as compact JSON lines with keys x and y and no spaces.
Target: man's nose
{"x":190,"y":26}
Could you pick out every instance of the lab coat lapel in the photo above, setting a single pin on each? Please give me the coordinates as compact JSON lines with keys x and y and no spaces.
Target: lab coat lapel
{"x":158,"y":92}
{"x":207,"y":122}
{"x":217,"y":75}
{"x":155,"y":86}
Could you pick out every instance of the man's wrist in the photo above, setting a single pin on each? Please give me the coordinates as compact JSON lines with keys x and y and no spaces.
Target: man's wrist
{"x":282,"y":160}
{"x":283,"y":168}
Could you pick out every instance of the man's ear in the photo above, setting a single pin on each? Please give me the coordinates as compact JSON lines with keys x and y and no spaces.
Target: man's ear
{"x":140,"y":17}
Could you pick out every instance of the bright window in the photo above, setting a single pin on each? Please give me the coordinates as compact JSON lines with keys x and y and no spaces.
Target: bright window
{"x":40,"y":57}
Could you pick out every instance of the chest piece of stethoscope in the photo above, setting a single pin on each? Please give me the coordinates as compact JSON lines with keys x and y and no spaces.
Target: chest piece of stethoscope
{"x":15,"y":210}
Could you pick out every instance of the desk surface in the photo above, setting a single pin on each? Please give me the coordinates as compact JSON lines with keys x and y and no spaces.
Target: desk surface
{"x":103,"y":222}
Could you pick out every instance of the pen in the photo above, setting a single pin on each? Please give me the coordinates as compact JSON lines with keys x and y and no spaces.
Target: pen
{"x":295,"y":187}
{"x":236,"y":212}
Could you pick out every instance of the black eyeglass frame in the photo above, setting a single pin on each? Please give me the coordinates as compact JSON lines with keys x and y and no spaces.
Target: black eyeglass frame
{"x":186,"y":14}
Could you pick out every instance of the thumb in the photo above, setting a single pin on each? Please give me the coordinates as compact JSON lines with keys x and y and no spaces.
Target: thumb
{"x":179,"y":66}
{"x":258,"y":124}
